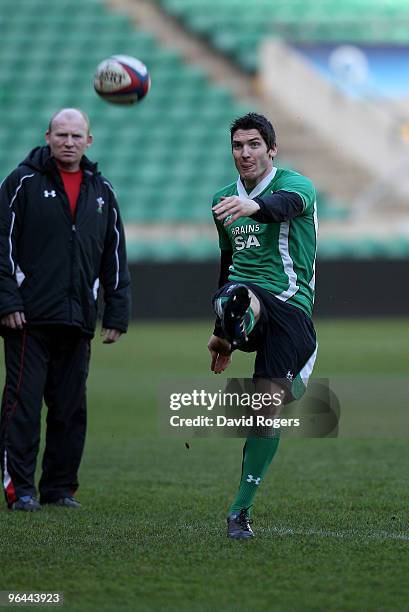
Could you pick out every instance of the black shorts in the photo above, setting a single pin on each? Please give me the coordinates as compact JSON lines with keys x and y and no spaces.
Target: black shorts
{"x":283,"y":338}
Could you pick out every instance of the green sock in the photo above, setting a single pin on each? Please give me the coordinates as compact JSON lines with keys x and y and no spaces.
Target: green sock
{"x":257,"y":456}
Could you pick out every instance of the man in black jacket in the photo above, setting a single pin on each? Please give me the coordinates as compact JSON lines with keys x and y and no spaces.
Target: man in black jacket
{"x":60,"y":237}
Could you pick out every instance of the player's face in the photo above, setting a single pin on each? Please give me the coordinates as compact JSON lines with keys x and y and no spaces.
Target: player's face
{"x":252,"y":158}
{"x":68,"y":139}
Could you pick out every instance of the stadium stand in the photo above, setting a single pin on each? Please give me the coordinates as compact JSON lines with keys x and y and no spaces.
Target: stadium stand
{"x":236,"y":28}
{"x":165,"y":157}
{"x":168,"y":155}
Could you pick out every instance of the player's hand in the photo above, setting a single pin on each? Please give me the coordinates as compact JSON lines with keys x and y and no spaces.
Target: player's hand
{"x":110,"y":335}
{"x":220,"y":350}
{"x":234,"y":207}
{"x":14,"y":320}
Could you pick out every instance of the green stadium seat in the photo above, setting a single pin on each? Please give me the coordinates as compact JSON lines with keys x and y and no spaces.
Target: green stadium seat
{"x":165,"y":157}
{"x":236,"y":28}
{"x":129,"y":142}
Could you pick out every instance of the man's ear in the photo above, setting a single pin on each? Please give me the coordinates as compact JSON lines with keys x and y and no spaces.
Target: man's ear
{"x":273,"y":152}
{"x":90,"y":140}
{"x":47,"y":137}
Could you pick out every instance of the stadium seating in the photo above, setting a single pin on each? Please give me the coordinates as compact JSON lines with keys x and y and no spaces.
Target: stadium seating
{"x":236,"y":28}
{"x":366,"y":247}
{"x":165,"y":157}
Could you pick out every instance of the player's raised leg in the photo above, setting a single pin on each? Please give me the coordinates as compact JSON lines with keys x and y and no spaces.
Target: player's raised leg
{"x":238,"y":311}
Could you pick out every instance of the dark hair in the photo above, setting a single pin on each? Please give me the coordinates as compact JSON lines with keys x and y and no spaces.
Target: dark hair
{"x":254,"y":121}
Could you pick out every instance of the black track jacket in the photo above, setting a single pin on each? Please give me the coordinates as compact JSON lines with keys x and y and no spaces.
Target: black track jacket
{"x":50,"y":264}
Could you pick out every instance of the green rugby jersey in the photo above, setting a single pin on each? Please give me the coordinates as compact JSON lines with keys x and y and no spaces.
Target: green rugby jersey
{"x":279,"y":257}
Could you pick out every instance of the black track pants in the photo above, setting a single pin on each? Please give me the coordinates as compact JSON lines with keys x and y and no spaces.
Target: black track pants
{"x":50,"y":363}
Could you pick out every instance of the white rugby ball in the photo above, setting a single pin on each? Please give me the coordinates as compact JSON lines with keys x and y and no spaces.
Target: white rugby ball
{"x":122,"y":79}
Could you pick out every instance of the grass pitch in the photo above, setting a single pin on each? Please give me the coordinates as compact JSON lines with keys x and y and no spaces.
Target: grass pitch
{"x":331,"y":519}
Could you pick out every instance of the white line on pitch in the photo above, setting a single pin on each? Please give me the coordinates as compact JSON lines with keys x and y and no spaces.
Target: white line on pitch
{"x":323,"y":533}
{"x":380,"y":535}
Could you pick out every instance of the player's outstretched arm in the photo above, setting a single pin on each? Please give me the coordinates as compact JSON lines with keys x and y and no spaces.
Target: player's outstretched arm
{"x":220,"y":351}
{"x":236,"y":207}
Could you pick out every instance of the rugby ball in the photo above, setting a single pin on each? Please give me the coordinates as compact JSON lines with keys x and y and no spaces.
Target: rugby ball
{"x":122,"y":79}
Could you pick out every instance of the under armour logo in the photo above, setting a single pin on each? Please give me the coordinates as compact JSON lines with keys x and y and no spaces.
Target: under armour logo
{"x":289,"y":376}
{"x":100,"y":204}
{"x":250,"y":478}
{"x":50,"y":194}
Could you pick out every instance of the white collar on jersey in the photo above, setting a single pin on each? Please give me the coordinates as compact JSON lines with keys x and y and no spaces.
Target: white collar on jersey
{"x":241,"y":190}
